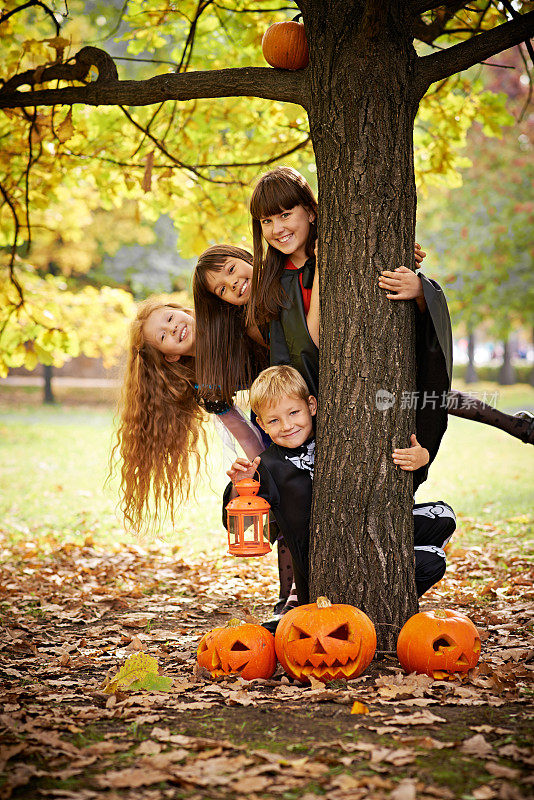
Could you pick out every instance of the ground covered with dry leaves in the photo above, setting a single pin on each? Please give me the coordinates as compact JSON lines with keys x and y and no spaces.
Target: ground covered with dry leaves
{"x":72,"y":615}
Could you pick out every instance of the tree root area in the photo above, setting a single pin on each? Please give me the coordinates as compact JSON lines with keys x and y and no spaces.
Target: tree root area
{"x":72,"y":615}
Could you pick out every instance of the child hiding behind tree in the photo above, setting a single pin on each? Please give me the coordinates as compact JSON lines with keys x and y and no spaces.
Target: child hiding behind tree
{"x":285,"y":410}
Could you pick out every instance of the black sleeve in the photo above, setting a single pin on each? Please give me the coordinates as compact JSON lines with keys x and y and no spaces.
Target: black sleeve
{"x":434,"y":370}
{"x":438,"y":329}
{"x":214,"y":406}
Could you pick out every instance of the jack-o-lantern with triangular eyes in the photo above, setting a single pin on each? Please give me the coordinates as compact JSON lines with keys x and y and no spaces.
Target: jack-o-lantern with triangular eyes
{"x":241,"y":648}
{"x":438,"y":643}
{"x":324,"y":640}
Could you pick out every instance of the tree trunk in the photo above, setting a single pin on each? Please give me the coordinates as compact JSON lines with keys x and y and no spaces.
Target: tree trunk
{"x":471,"y":373}
{"x":507,"y":372}
{"x":48,"y":392}
{"x":362,"y":131}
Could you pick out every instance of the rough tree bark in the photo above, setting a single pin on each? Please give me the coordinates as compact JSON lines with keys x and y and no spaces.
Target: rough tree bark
{"x":361,"y":90}
{"x":362,"y":69}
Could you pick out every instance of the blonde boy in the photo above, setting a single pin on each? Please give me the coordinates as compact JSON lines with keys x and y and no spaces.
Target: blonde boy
{"x":285,"y":410}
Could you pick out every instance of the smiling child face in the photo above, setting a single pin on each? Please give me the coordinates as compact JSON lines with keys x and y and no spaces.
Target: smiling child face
{"x":289,"y":421}
{"x":232,"y":282}
{"x":288,"y":232}
{"x":171,"y":331}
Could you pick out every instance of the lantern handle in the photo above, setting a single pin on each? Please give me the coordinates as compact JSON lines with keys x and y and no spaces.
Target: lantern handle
{"x":256,"y":472}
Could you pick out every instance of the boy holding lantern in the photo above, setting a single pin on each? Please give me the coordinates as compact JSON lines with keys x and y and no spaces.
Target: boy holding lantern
{"x":285,"y":410}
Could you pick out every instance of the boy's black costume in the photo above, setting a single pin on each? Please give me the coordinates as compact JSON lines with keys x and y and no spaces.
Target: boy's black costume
{"x":291,"y":343}
{"x":286,"y":476}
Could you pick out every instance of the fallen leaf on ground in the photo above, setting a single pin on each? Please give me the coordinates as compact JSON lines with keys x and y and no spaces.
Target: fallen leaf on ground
{"x":131,"y":778}
{"x":501,"y":771}
{"x":404,"y":791}
{"x":476,"y":746}
{"x":359,"y":708}
{"x":419,"y":718}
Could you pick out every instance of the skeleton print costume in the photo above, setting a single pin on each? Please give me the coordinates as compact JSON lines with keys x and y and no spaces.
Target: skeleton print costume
{"x":286,"y":483}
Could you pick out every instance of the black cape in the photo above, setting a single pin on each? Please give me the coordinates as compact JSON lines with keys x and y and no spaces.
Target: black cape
{"x":289,"y":339}
{"x":291,"y":343}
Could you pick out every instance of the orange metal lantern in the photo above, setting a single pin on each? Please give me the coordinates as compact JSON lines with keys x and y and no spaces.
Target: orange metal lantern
{"x":248,"y":521}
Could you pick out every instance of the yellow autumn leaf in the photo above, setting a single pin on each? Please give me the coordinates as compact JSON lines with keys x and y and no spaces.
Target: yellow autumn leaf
{"x":58,"y":43}
{"x":35,"y":47}
{"x":137,"y":667}
{"x":359,"y":708}
{"x":18,"y":356}
{"x":66,"y":129}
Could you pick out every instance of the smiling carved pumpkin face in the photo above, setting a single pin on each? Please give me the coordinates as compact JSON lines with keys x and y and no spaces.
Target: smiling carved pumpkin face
{"x":245,"y":649}
{"x":438,"y":643}
{"x":325,"y":641}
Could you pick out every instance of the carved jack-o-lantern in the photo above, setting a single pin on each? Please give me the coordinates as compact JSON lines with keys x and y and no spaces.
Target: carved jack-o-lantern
{"x":238,"y":648}
{"x":325,"y":641}
{"x":434,"y":642}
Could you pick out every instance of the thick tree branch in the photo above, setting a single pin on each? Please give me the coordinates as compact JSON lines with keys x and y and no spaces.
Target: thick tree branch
{"x":252,"y":10}
{"x":429,"y":32}
{"x":461,"y":56}
{"x":86,"y":58}
{"x":515,"y":15}
{"x":271,"y":84}
{"x":420,"y":6}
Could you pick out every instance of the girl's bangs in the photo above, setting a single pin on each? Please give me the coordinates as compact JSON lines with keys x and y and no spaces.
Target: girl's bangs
{"x":274,"y":196}
{"x":214,"y":258}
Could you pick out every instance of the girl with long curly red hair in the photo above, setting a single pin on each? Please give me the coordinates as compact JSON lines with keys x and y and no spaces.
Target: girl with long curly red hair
{"x":161,"y":415}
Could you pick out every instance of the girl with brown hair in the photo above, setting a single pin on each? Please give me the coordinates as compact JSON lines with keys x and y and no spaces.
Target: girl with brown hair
{"x":230,"y":355}
{"x":284,"y":214}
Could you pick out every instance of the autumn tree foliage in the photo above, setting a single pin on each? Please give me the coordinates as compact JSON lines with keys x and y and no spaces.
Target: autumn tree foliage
{"x":482,"y":232}
{"x":54,"y":307}
{"x":356,"y":104}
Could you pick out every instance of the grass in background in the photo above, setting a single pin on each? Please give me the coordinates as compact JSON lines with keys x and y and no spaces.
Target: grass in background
{"x":54,"y":464}
{"x":486,"y":475}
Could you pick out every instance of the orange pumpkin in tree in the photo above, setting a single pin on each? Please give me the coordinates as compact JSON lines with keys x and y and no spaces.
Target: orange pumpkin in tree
{"x":284,"y":45}
{"x":440,"y":641}
{"x":241,"y":648}
{"x":325,"y":641}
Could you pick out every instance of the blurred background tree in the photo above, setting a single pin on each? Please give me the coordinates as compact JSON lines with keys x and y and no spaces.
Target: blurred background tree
{"x":482,"y":233}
